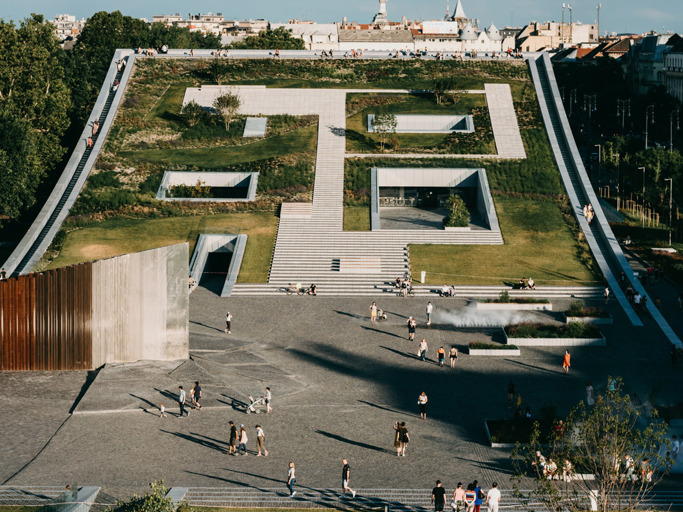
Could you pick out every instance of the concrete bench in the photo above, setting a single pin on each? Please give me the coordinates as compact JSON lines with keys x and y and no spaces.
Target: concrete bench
{"x":360,"y":265}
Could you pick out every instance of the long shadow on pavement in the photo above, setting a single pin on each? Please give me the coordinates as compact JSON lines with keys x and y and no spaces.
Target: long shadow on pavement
{"x":381,"y":331}
{"x":207,"y":326}
{"x":351,"y":441}
{"x":532,"y":366}
{"x":387,"y":408}
{"x":404,"y":354}
{"x":196,"y":440}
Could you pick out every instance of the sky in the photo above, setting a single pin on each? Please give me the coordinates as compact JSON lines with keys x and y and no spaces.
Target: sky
{"x":619,"y":16}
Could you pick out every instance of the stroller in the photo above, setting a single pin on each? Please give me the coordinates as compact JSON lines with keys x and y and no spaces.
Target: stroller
{"x":253,"y":404}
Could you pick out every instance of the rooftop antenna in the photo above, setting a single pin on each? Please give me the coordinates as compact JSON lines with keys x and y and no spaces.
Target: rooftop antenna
{"x":448,"y":9}
{"x":599,"y":7}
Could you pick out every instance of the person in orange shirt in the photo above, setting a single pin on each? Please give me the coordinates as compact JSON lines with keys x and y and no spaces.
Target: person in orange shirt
{"x":441,"y":355}
{"x":566,"y":362}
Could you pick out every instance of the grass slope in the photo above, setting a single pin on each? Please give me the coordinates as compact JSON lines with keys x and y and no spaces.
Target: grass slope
{"x":121,"y":236}
{"x":538,"y":243}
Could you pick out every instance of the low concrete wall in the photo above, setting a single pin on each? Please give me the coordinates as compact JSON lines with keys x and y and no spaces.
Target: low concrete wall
{"x":208,"y":179}
{"x":556,"y":342}
{"x":502,"y":352}
{"x":141,"y":306}
{"x":592,"y":320}
{"x":429,"y":124}
{"x":511,"y":306}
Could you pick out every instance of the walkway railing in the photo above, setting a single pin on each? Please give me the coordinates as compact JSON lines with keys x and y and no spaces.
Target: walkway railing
{"x":46,"y":225}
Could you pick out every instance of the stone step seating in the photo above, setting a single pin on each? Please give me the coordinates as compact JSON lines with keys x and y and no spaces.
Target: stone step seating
{"x":360,"y":285}
{"x":403,"y":500}
{"x":29,"y":495}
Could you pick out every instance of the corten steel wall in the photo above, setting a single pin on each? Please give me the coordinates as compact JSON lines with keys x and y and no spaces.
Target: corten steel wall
{"x":141,"y":306}
{"x":46,"y":319}
{"x":121,"y":309}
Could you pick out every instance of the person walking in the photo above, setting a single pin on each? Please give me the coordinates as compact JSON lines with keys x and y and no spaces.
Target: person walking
{"x":267,"y":398}
{"x":193,"y":403}
{"x":260,"y":441}
{"x":590,"y":399}
{"x":453,"y":354}
{"x":423,"y":349}
{"x":402,"y":437}
{"x":397,"y":438}
{"x":479,"y":499}
{"x":422,"y":402}
{"x":346,"y":473}
{"x":493,"y":498}
{"x":232,"y":443}
{"x":228,"y":322}
{"x":181,"y":402}
{"x":291,"y":479}
{"x":566,"y":362}
{"x":438,"y":497}
{"x":411,"y":328}
{"x":243,"y":441}
{"x":470,"y":497}
{"x":606,"y":294}
{"x":197,"y":395}
{"x":429,"y":313}
{"x":373,"y":312}
{"x":458,"y":498}
{"x":441,"y":355}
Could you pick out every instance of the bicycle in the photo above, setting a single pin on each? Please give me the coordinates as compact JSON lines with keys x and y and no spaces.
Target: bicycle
{"x":293,"y":289}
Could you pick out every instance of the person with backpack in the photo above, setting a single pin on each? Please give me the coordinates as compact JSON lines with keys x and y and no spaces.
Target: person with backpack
{"x":479,"y":496}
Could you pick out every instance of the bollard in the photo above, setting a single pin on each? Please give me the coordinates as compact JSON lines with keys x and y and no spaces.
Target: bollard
{"x":423,"y":274}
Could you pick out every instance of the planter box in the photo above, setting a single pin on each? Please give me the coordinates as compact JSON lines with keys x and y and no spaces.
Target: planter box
{"x":514,"y":306}
{"x":593,"y":320}
{"x":496,"y":445}
{"x":556,"y":342}
{"x":463,"y":229}
{"x":493,"y":352}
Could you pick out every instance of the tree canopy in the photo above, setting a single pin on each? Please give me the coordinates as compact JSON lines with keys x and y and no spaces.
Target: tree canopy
{"x":278,"y":39}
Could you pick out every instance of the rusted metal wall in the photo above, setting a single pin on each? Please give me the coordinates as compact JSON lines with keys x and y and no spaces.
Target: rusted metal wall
{"x":46,"y":320}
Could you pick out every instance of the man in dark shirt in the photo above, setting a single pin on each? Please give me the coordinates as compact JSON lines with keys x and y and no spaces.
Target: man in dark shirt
{"x":233,"y":439}
{"x":197,"y":394}
{"x":438,"y":497}
{"x":346,"y":473}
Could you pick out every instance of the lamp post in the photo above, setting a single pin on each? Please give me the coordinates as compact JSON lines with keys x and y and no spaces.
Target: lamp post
{"x":618,"y":180}
{"x":672,"y":116}
{"x":649,"y":118}
{"x":572,"y":101}
{"x":642,"y":210}
{"x":671,"y":188}
{"x":599,"y":146}
{"x":623,"y":110}
{"x":599,"y":7}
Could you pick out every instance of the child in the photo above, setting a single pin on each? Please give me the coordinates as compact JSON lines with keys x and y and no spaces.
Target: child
{"x":163,"y":411}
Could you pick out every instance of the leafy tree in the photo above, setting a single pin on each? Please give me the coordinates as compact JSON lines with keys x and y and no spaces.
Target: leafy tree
{"x":384,"y":125}
{"x":458,"y":214}
{"x":21,"y":165}
{"x":444,"y":87}
{"x":280,"y":38}
{"x":227,"y":106}
{"x":192,"y":112}
{"x":604,"y":440}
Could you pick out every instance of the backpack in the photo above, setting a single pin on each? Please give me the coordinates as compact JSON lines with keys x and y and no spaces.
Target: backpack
{"x":480,"y":495}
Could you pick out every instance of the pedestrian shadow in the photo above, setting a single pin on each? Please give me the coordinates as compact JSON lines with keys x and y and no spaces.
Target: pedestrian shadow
{"x":201,"y":442}
{"x":527,"y":365}
{"x":382,"y":332}
{"x":351,"y":441}
{"x":236,"y":404}
{"x":152,"y":405}
{"x":352,"y":315}
{"x":385,"y":408}
{"x":171,"y":395}
{"x":404,"y":354}
{"x":396,"y":314}
{"x":207,"y":326}
{"x":211,"y":439}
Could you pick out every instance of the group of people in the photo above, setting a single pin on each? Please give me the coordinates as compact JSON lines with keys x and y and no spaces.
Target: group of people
{"x":120,"y":65}
{"x":220,"y":53}
{"x":526,"y":284}
{"x":149,"y":52}
{"x":467,"y":500}
{"x":237,"y":443}
{"x":404,"y":284}
{"x":193,"y":401}
{"x":447,"y":291}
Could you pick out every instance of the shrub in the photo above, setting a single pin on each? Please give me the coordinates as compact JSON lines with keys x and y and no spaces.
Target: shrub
{"x":192,"y":113}
{"x":535,"y":330}
{"x":504,"y":296}
{"x":458,"y":214}
{"x":476,"y":345}
{"x":576,"y":308}
{"x":104,"y":179}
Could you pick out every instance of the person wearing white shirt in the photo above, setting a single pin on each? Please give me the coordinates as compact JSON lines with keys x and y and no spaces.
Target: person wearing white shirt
{"x":493,"y":498}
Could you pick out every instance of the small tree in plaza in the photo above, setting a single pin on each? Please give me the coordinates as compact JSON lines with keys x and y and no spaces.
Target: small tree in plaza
{"x":156,"y":500}
{"x":626,"y":456}
{"x":458,"y":214}
{"x":227,"y":107}
{"x":384,"y":125}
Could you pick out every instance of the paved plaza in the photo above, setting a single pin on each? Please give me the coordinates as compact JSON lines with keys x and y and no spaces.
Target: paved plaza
{"x":339,"y":383}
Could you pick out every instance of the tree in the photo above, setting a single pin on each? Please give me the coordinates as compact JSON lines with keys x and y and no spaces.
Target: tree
{"x":384,"y":124}
{"x":280,"y":38}
{"x":458,"y":214}
{"x":604,"y":440}
{"x":192,"y":113}
{"x":445,"y":87}
{"x":227,"y":106}
{"x":155,"y":501}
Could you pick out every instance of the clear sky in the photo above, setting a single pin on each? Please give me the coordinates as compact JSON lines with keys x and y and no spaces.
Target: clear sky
{"x":615,"y":16}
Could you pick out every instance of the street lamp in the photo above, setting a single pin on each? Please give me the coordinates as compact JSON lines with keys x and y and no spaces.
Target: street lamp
{"x":572,"y":101}
{"x":599,"y":146}
{"x":672,"y":116}
{"x":671,"y":188}
{"x":623,"y":110}
{"x":642,"y":210}
{"x":649,"y":118}
{"x":618,"y":180}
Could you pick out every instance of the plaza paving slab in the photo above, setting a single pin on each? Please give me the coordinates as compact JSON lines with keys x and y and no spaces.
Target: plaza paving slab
{"x":339,"y":383}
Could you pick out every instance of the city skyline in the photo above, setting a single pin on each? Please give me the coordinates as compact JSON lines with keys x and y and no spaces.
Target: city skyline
{"x":615,"y":16}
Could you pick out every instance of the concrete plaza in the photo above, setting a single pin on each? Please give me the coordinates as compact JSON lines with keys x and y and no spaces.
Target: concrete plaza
{"x":339,"y":383}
